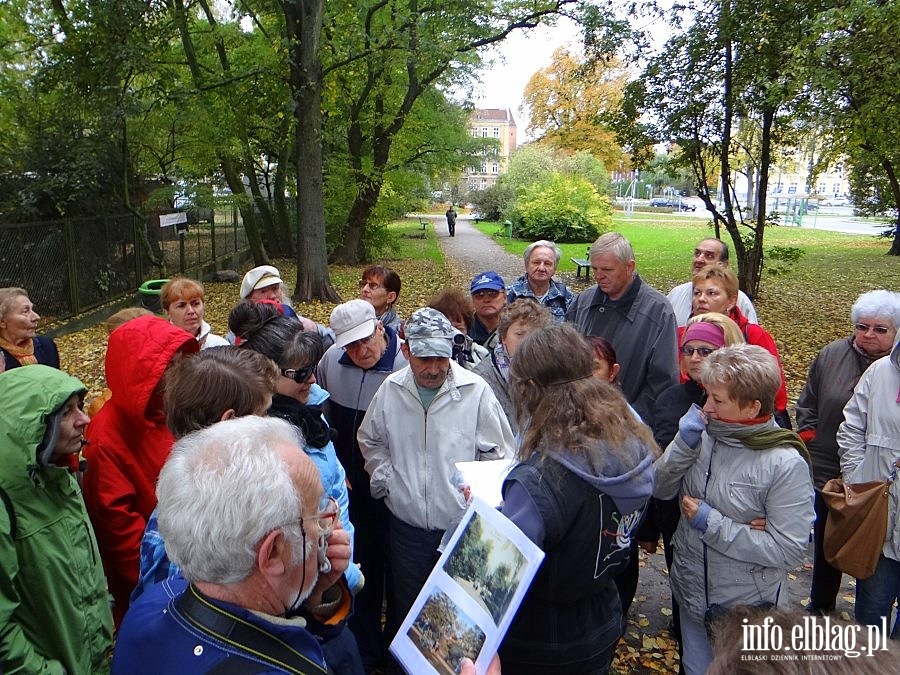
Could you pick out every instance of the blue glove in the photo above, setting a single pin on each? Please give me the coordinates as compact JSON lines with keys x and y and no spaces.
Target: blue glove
{"x":692,"y":425}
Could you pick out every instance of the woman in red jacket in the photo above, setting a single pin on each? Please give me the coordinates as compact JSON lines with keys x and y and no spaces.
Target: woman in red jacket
{"x":716,"y":290}
{"x":128,"y":444}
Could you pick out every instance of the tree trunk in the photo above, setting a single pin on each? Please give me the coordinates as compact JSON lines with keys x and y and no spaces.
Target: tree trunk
{"x":895,"y":190}
{"x":304,"y":26}
{"x":281,"y":220}
{"x":248,"y":215}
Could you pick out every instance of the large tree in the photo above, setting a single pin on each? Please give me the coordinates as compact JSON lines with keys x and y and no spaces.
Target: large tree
{"x":569,"y":101}
{"x":853,"y":58}
{"x":726,"y":90}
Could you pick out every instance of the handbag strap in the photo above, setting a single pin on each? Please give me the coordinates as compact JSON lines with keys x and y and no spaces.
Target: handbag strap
{"x":705,"y":488}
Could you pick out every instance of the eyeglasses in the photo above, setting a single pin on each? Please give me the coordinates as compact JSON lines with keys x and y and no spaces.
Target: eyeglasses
{"x":702,"y":351}
{"x":299,"y":375}
{"x":328,"y":513}
{"x":486,"y":293}
{"x":360,"y":344}
{"x":372,"y":285}
{"x":878,"y":330}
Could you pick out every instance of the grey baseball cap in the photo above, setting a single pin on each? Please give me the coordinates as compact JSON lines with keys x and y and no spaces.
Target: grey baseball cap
{"x":429,"y":333}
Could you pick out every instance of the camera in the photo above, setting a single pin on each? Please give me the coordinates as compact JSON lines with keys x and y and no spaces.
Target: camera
{"x":462,"y":349}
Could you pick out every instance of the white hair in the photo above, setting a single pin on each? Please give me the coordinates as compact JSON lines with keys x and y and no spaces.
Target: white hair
{"x":221,"y":491}
{"x":543,"y":243}
{"x":878,"y":304}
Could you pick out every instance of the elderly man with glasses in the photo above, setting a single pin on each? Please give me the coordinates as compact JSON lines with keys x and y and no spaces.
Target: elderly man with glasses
{"x":365,"y":352}
{"x":488,"y":296}
{"x":242,"y":511}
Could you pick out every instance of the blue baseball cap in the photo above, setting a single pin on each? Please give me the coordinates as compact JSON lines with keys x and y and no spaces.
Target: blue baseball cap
{"x":490,"y":281}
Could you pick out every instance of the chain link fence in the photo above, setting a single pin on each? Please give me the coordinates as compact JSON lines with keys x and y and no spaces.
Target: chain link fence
{"x":73,"y":265}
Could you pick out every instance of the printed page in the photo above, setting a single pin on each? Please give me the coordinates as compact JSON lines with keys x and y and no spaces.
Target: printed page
{"x":470,"y":597}
{"x":485,"y":479}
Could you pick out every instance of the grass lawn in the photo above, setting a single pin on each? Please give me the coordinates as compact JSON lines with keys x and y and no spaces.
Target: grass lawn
{"x":804,"y":308}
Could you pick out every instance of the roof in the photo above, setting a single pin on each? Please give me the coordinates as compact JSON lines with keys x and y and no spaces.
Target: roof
{"x":497,"y":114}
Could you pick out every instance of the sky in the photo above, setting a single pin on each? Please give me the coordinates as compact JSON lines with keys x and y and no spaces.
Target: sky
{"x":524,"y":54}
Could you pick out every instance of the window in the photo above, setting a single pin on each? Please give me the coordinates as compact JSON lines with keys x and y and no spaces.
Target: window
{"x":495,"y":168}
{"x":821,"y":188}
{"x":484,"y":183}
{"x":496,"y":132}
{"x":483,"y":168}
{"x":836,"y":189}
{"x":484,"y":132}
{"x":792,"y":189}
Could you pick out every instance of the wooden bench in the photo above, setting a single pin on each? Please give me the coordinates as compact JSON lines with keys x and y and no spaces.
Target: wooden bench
{"x":424,"y":224}
{"x":581,"y":264}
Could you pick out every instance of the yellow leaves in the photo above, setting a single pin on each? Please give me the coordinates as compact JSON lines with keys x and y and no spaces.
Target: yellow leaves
{"x":665,"y":611}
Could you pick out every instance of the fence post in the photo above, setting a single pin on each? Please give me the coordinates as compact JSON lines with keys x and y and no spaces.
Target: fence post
{"x":212,"y":234}
{"x":71,"y":266}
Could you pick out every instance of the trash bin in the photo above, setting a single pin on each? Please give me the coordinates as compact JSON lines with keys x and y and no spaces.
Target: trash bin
{"x":508,"y":225}
{"x":149,"y":292}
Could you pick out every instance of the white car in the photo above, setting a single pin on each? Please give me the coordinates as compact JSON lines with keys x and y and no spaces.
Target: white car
{"x":836,"y":201}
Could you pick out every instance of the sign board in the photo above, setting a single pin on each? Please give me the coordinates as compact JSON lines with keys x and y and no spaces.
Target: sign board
{"x":168,"y":219}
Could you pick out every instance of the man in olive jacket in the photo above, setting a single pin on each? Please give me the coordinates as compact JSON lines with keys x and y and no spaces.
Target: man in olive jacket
{"x":54,"y":608}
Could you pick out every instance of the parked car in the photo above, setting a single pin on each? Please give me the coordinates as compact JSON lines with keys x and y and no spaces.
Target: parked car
{"x":836,"y":201}
{"x":672,"y":203}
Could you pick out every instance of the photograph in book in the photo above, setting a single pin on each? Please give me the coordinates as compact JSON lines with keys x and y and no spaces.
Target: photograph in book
{"x":487,"y":566}
{"x":470,"y":597}
{"x":444,"y":634}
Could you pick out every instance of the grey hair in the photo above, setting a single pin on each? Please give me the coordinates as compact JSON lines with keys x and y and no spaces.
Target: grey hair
{"x":748,"y":372}
{"x":7,"y":295}
{"x":615,"y":243}
{"x":221,"y":491}
{"x":880,"y":304}
{"x":545,"y":243}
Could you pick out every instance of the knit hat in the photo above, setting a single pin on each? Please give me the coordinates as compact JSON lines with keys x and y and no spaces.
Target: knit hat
{"x":704,"y":331}
{"x":352,"y":321}
{"x":429,"y":333}
{"x":259,"y":277}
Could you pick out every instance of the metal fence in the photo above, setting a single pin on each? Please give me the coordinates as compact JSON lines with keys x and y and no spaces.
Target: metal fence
{"x":73,"y":265}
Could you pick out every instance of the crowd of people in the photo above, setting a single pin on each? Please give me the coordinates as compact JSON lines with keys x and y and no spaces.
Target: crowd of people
{"x":273,"y":500}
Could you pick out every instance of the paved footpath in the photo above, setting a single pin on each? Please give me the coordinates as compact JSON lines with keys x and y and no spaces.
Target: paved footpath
{"x":647,"y":645}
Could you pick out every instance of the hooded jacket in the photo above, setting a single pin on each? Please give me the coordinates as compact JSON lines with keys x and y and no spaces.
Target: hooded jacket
{"x":583,"y":514}
{"x":54,"y":609}
{"x":743,"y":566}
{"x":869,"y":438}
{"x":129,"y":443}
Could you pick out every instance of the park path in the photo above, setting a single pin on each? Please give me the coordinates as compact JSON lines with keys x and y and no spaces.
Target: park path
{"x":471,"y":252}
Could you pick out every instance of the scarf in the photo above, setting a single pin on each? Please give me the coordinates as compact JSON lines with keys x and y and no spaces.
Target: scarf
{"x":759,"y":436}
{"x":24,"y":355}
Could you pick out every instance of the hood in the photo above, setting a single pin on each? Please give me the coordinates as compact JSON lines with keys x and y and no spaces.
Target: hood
{"x":895,"y":354}
{"x":627,"y":475}
{"x":138,"y":354}
{"x":29,"y":396}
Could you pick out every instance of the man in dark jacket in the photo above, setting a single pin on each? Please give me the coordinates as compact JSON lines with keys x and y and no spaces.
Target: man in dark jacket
{"x":636,"y":319}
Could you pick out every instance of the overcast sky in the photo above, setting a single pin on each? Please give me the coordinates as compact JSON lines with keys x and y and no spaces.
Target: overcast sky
{"x":524,"y":54}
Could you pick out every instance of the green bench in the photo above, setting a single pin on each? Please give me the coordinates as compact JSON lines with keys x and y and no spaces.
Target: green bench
{"x":582,"y":264}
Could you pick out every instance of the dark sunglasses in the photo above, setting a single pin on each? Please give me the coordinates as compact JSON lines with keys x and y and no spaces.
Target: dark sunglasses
{"x":488,"y":293}
{"x":703,"y":351}
{"x":299,"y":375}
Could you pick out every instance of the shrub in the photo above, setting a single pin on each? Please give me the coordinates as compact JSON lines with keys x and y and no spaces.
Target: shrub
{"x":561,"y":208}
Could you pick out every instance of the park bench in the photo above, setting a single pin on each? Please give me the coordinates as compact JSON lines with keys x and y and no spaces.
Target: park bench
{"x":423,"y":223}
{"x":582,"y":264}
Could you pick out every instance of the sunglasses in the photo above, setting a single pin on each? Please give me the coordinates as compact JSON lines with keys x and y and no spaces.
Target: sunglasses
{"x":703,"y":351}
{"x":865,"y":328}
{"x":373,"y":285}
{"x":485,"y":294}
{"x":299,"y":375}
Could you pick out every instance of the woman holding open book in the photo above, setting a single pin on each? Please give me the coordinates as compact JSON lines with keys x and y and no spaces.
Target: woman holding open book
{"x":579,"y":492}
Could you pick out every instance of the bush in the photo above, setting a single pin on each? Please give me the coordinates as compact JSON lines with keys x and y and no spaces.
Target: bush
{"x":561,"y":208}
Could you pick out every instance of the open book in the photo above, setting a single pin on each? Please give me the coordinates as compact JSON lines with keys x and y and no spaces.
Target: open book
{"x":470,"y":597}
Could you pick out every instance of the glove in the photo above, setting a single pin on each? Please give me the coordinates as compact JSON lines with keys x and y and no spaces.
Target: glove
{"x":692,"y":425}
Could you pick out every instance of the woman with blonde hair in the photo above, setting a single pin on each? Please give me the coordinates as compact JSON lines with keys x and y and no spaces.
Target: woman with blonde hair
{"x":183,"y":303}
{"x":579,"y":492}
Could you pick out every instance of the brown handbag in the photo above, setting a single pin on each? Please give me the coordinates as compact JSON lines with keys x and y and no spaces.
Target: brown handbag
{"x":857,"y":525}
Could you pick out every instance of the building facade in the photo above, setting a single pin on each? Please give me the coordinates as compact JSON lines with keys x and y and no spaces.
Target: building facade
{"x":497,"y":123}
